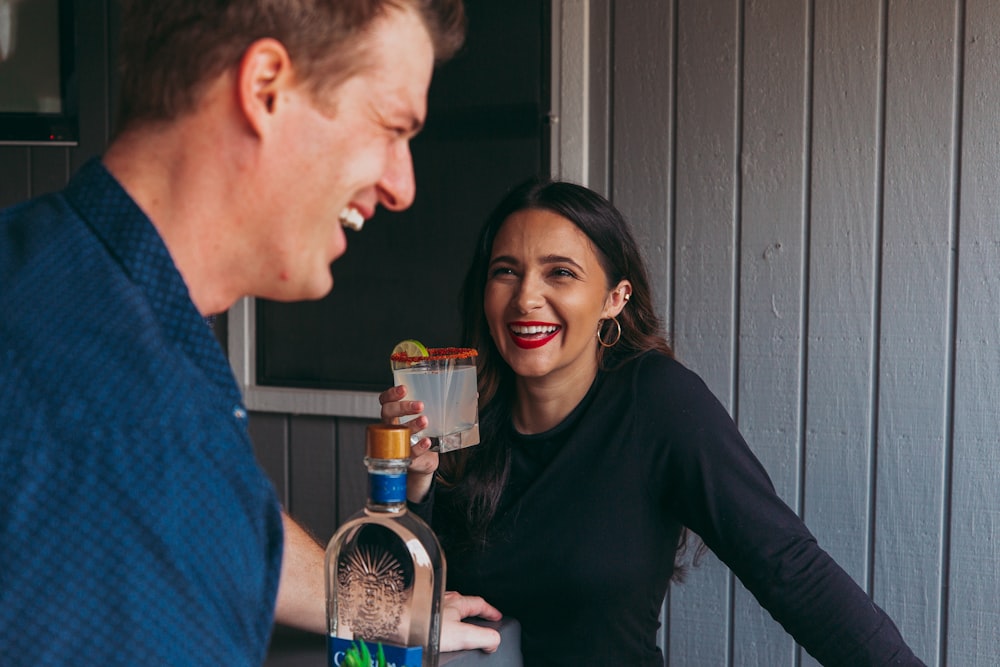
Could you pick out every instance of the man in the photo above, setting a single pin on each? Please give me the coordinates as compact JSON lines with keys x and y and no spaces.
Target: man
{"x":135,"y":526}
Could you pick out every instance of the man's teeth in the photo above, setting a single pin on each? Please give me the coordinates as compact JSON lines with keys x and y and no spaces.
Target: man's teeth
{"x":351,"y":218}
{"x":527,"y":331}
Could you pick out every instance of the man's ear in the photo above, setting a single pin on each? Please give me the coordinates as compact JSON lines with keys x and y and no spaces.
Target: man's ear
{"x":265,"y":72}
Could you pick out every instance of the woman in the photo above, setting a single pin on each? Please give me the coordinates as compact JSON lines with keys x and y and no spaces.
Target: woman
{"x":599,"y":450}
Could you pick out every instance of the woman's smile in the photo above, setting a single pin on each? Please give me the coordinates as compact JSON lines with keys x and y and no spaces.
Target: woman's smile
{"x":531,"y":335}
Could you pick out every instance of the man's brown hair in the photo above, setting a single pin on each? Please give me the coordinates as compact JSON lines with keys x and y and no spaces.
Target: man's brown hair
{"x":171,"y":49}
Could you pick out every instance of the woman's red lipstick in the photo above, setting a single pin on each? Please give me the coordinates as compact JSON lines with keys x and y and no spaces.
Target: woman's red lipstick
{"x":532,"y":343}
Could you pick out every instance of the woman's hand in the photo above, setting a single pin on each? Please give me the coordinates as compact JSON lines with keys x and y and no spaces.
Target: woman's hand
{"x":423,"y":463}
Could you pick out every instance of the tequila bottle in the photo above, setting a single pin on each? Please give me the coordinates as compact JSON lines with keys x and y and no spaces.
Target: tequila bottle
{"x":385,"y":571}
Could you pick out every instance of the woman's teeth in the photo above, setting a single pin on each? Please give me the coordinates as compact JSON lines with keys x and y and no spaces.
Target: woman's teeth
{"x":529,"y":331}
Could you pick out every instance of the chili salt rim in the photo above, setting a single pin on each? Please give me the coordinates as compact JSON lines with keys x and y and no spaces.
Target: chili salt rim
{"x":438,"y":353}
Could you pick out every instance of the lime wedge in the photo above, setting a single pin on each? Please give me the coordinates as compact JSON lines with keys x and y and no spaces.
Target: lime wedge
{"x":411,"y":348}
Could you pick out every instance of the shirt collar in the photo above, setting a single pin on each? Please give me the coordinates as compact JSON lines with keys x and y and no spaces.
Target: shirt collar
{"x":134,"y":242}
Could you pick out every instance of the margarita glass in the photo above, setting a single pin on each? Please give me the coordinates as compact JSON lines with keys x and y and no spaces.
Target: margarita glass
{"x":445,"y":381}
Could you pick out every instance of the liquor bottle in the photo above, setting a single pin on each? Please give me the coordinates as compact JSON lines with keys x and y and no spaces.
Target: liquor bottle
{"x":385,"y":570}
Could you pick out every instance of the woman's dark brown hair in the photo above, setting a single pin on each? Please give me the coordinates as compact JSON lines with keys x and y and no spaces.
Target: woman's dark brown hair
{"x":480,"y":473}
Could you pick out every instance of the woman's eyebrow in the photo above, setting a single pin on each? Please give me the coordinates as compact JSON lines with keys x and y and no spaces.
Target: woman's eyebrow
{"x":503,"y":259}
{"x":560,"y":259}
{"x":544,"y":259}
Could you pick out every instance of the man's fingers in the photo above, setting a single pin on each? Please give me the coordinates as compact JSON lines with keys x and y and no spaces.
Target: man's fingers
{"x":470,"y":605}
{"x":457,"y":636}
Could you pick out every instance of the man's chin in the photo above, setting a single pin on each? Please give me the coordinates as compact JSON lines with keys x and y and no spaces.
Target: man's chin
{"x":311,"y":291}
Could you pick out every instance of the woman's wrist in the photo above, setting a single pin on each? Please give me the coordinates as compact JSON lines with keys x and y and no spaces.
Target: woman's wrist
{"x":418,"y":486}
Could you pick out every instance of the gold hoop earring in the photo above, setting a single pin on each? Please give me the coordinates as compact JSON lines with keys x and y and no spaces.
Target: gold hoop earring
{"x":618,"y":333}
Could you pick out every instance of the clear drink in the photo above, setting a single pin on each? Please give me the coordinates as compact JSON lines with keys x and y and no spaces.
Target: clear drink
{"x":449,"y":397}
{"x":445,"y":382}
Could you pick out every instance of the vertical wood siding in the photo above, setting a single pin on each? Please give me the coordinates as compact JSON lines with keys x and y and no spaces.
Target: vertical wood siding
{"x":971,"y":507}
{"x":316,"y":466}
{"x":816,"y":188}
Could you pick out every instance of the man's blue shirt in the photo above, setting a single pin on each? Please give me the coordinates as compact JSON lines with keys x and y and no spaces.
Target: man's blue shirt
{"x":135,"y":526}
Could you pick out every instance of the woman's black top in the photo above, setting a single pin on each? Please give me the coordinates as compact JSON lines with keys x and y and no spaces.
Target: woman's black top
{"x":582,"y":548}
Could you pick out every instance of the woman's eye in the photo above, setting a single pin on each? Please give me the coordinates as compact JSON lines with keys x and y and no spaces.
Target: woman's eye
{"x":563,"y":273}
{"x":501,"y":271}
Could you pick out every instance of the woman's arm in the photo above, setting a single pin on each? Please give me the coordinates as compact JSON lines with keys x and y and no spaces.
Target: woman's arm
{"x":720,"y":490}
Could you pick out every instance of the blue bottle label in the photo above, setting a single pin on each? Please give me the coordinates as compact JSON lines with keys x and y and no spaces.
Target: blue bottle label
{"x":395,"y":656}
{"x":385,"y":489}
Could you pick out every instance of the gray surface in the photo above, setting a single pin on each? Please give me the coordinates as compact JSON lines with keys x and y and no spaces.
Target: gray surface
{"x":291,"y":648}
{"x":508,"y":655}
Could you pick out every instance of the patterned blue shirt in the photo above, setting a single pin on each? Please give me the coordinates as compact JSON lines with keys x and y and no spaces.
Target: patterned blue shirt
{"x":135,"y":525}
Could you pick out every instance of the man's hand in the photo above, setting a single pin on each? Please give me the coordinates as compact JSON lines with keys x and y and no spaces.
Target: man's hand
{"x":302,"y":598}
{"x":459,"y":636}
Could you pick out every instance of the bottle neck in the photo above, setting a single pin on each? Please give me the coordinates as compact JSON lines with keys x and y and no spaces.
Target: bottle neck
{"x":387,"y":484}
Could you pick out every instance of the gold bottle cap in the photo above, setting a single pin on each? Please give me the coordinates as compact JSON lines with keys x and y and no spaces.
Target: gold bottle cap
{"x":387,"y":441}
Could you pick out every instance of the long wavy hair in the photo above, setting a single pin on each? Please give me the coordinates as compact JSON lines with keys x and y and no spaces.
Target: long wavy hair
{"x":478,"y":475}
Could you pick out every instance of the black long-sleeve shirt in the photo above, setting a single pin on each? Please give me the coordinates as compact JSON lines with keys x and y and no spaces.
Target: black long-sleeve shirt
{"x":582,"y":549}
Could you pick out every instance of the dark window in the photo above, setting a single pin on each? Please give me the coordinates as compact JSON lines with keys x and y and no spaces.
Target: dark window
{"x":486,"y":130}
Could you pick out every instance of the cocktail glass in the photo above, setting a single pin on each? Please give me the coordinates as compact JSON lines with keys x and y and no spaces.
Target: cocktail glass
{"x":446,"y":383}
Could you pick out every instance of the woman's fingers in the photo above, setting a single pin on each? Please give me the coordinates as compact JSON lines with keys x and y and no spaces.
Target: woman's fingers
{"x":392,"y":394}
{"x":422,"y":460}
{"x":393,"y":407}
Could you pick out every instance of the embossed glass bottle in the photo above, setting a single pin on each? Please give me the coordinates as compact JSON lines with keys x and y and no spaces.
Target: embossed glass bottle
{"x":385,"y":571}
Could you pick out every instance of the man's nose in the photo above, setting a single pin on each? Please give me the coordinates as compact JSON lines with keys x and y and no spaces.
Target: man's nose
{"x":397,"y":187}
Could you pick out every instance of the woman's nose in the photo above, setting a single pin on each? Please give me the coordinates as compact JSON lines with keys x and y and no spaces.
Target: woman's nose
{"x":529,"y":295}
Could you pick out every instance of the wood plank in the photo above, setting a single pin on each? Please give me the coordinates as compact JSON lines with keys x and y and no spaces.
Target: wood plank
{"x":915,"y":327}
{"x":49,"y":169}
{"x":352,"y":476}
{"x":94,"y":65}
{"x":973,"y":574}
{"x":601,"y":97}
{"x":708,"y":62}
{"x":312,"y":475}
{"x":15,"y":180}
{"x":771,"y":343}
{"x":641,"y":162}
{"x":269,"y":434}
{"x":843,"y":226}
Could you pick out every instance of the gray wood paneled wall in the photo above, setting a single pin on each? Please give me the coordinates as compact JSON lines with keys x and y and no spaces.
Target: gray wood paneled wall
{"x":816,"y":184}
